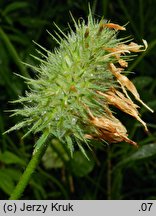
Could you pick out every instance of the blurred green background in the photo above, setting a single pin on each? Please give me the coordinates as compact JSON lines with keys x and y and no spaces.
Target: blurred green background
{"x":114,"y":172}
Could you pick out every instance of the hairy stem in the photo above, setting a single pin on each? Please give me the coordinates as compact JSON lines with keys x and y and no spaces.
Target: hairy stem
{"x":25,"y":178}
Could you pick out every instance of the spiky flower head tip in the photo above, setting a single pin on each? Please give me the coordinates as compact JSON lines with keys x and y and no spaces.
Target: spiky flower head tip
{"x":77,"y":84}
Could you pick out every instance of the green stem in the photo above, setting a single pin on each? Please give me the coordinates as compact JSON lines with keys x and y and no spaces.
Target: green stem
{"x":40,"y":149}
{"x":13,"y":53}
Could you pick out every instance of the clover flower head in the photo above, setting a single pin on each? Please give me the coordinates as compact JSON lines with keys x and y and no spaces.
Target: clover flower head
{"x":79,"y":82}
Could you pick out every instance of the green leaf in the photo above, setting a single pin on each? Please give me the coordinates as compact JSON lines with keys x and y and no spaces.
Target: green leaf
{"x":80,"y":165}
{"x":143,"y":152}
{"x":51,"y":159}
{"x":14,"y":174}
{"x":70,"y":145}
{"x":7,"y":177}
{"x":54,"y":154}
{"x":10,"y":158}
{"x":15,"y":6}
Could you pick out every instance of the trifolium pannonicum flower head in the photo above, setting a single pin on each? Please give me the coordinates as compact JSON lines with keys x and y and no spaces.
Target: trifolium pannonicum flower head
{"x":79,"y":82}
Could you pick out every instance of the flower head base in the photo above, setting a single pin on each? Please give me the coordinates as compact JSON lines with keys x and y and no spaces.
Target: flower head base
{"x":78,"y":82}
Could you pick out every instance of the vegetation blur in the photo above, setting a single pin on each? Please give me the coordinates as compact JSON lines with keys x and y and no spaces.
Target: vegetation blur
{"x":117,"y":171}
